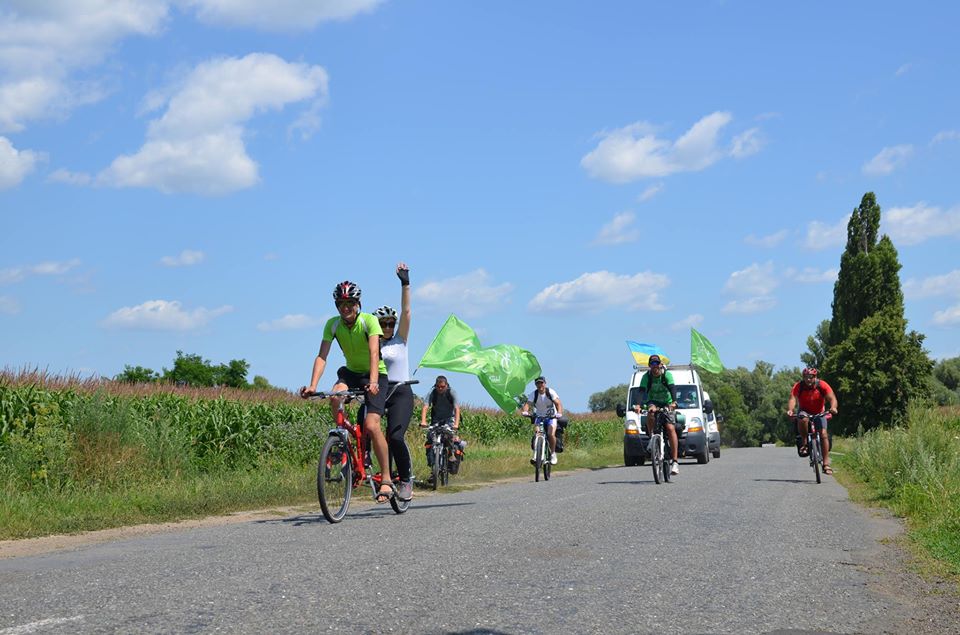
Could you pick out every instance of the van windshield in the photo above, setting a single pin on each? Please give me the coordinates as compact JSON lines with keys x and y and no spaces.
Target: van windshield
{"x":687,"y":396}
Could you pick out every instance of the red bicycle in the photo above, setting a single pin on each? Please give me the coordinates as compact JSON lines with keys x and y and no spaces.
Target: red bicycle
{"x":345,"y":461}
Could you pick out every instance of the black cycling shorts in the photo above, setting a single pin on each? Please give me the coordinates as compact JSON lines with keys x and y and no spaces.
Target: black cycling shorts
{"x":355,"y":381}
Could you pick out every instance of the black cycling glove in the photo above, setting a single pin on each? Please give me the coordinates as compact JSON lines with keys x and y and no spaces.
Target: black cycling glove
{"x":404,"y":275}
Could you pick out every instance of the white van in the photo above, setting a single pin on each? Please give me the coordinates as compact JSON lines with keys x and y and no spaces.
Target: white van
{"x":691,"y":401}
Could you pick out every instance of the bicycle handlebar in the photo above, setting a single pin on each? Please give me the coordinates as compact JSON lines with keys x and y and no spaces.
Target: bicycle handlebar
{"x":357,"y":392}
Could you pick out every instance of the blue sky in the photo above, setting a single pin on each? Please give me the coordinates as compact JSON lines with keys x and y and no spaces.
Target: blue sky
{"x":197,"y":175}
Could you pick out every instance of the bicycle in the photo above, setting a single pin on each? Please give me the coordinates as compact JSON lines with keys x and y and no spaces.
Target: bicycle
{"x":814,"y":446}
{"x":541,"y":448}
{"x":660,"y":454}
{"x":345,"y":461}
{"x":440,"y":437}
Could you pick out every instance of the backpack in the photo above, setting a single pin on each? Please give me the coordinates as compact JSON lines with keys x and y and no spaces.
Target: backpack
{"x":663,"y":380}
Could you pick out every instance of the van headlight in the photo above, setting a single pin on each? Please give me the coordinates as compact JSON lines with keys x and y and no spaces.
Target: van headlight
{"x":696,"y":425}
{"x":631,"y":428}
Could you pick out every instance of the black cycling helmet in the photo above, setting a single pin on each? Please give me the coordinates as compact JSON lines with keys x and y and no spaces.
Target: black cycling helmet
{"x":346,"y":290}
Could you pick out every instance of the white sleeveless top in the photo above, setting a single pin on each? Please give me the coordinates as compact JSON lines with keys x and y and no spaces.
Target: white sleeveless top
{"x":394,"y":354}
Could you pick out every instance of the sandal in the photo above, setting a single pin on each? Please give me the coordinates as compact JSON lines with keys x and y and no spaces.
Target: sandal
{"x":827,"y":469}
{"x":803,"y":451}
{"x":385,"y":496}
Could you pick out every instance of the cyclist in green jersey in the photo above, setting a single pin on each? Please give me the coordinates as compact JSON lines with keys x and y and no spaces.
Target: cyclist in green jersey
{"x":358,"y":335}
{"x":657,"y":392}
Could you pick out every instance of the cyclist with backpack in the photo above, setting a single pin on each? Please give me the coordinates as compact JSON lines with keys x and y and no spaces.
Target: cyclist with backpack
{"x":812,"y":393}
{"x":358,"y":335}
{"x":657,"y":392}
{"x":399,"y":405}
{"x":444,"y":408}
{"x":546,"y":404}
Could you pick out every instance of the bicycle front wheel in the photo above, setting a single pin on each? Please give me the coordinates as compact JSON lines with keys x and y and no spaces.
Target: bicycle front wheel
{"x":656,"y":461}
{"x":437,"y":453}
{"x":444,"y":468}
{"x":398,"y":505}
{"x":817,"y":456}
{"x":538,"y":458}
{"x":546,"y":461}
{"x":334,"y":479}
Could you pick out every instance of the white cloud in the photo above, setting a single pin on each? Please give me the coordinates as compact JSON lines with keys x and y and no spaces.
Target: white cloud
{"x":186,"y":258}
{"x":618,"y":231}
{"x":602,"y":290}
{"x":41,"y":43}
{"x":946,"y":284}
{"x":750,"y":305}
{"x":945,"y":135}
{"x":634,"y":152}
{"x":162,"y":315}
{"x":282,"y":14}
{"x":755,"y":280}
{"x":46,"y":268}
{"x":823,"y":236}
{"x":291,"y":323}
{"x":746,"y":143}
{"x":947,"y":317}
{"x":70,"y":178}
{"x":916,"y":224}
{"x":754,"y":286}
{"x":15,"y":164}
{"x":471,"y":294}
{"x":197,"y":144}
{"x":888,"y":160}
{"x":809,"y":275}
{"x":766,"y":242}
{"x":9,"y":305}
{"x":650,"y":192}
{"x":903,"y":70}
{"x":691,"y":321}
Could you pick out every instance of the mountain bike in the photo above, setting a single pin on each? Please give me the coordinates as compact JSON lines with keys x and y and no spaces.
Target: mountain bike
{"x":814,"y":446}
{"x":541,"y":448}
{"x":345,"y":461}
{"x":660,"y":454}
{"x":440,"y":440}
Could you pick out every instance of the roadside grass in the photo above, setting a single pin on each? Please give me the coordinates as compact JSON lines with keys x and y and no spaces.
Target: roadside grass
{"x":915,"y":472}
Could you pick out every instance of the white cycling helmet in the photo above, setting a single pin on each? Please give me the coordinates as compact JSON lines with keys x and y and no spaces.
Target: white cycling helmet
{"x":385,"y":312}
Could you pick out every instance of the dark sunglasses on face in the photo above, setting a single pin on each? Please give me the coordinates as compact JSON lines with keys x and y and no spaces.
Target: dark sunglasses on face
{"x":386,"y":323}
{"x":654,"y":364}
{"x":346,"y":303}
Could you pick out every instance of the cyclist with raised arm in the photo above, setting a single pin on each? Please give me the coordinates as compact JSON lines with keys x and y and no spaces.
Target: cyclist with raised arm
{"x":443,"y":407}
{"x":812,"y":393}
{"x":546,"y":405}
{"x":658,"y":392}
{"x":399,"y":405}
{"x":358,"y":335}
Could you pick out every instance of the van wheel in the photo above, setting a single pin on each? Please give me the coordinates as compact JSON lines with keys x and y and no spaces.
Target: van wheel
{"x":703,"y":458}
{"x":641,"y":461}
{"x":716,"y":454}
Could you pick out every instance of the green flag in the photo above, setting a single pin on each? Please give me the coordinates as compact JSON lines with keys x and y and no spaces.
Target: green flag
{"x":504,"y":370}
{"x":703,"y":353}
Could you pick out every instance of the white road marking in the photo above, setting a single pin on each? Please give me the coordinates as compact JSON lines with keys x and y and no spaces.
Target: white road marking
{"x":33,"y":626}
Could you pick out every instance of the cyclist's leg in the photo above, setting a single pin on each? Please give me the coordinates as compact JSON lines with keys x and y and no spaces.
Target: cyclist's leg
{"x":551,"y":428}
{"x":371,"y":425}
{"x":672,"y":433}
{"x":399,"y":411}
{"x":821,"y":424}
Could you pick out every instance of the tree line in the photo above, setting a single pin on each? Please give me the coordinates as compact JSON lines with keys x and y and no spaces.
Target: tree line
{"x":194,"y":370}
{"x":864,"y":351}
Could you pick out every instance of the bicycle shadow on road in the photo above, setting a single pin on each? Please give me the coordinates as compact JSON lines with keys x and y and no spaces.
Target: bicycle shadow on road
{"x":641,"y":482}
{"x":786,"y":480}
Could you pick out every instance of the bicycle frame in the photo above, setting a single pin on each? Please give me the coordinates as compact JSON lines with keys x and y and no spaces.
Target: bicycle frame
{"x":659,"y":447}
{"x":440,"y":436}
{"x":814,"y":443}
{"x":541,"y":449}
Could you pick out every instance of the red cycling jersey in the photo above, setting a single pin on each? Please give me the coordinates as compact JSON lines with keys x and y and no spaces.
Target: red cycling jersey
{"x":811,"y":399}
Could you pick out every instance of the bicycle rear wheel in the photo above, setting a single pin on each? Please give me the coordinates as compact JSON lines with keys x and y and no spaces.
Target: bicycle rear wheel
{"x":334,"y":478}
{"x":538,"y":458}
{"x":444,"y":468}
{"x":656,"y":461}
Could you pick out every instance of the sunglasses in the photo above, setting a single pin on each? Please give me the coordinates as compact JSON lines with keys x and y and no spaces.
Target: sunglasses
{"x":388,"y":323}
{"x":347,"y":303}
{"x":654,"y":364}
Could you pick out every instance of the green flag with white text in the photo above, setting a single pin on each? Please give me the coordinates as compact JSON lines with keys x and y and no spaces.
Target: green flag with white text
{"x":703,"y":353}
{"x":504,"y":370}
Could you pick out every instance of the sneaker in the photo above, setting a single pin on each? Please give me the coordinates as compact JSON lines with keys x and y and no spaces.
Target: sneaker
{"x":553,"y":459}
{"x":533,"y":459}
{"x":405,"y":491}
{"x":674,"y":469}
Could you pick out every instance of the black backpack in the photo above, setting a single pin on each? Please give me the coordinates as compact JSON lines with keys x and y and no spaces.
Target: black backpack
{"x":533,"y":400}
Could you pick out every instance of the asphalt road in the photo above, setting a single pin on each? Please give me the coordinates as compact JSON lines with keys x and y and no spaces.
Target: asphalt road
{"x":745,"y":544}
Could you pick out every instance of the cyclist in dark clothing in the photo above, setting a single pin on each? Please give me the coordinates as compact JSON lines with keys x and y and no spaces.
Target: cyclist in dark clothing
{"x":443,"y":407}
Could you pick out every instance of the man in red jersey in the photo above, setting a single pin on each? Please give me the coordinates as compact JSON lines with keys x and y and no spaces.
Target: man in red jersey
{"x":812,"y":393}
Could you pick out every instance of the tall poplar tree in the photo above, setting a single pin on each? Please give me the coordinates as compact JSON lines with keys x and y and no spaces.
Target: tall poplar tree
{"x":873,"y":363}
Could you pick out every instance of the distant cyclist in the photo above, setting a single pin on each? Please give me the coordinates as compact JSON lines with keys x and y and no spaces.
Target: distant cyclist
{"x":443,"y":407}
{"x":546,"y":404}
{"x":658,"y":392}
{"x":812,"y":393}
{"x":358,"y":335}
{"x":399,"y":406}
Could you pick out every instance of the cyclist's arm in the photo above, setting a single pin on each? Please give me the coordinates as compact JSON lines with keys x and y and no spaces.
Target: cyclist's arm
{"x":673,"y":394}
{"x":373,"y":344}
{"x":791,"y":405}
{"x":423,"y":411}
{"x":319,"y":364}
{"x":832,"y":400}
{"x":559,"y":407}
{"x":403,"y":327}
{"x":456,"y":417}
